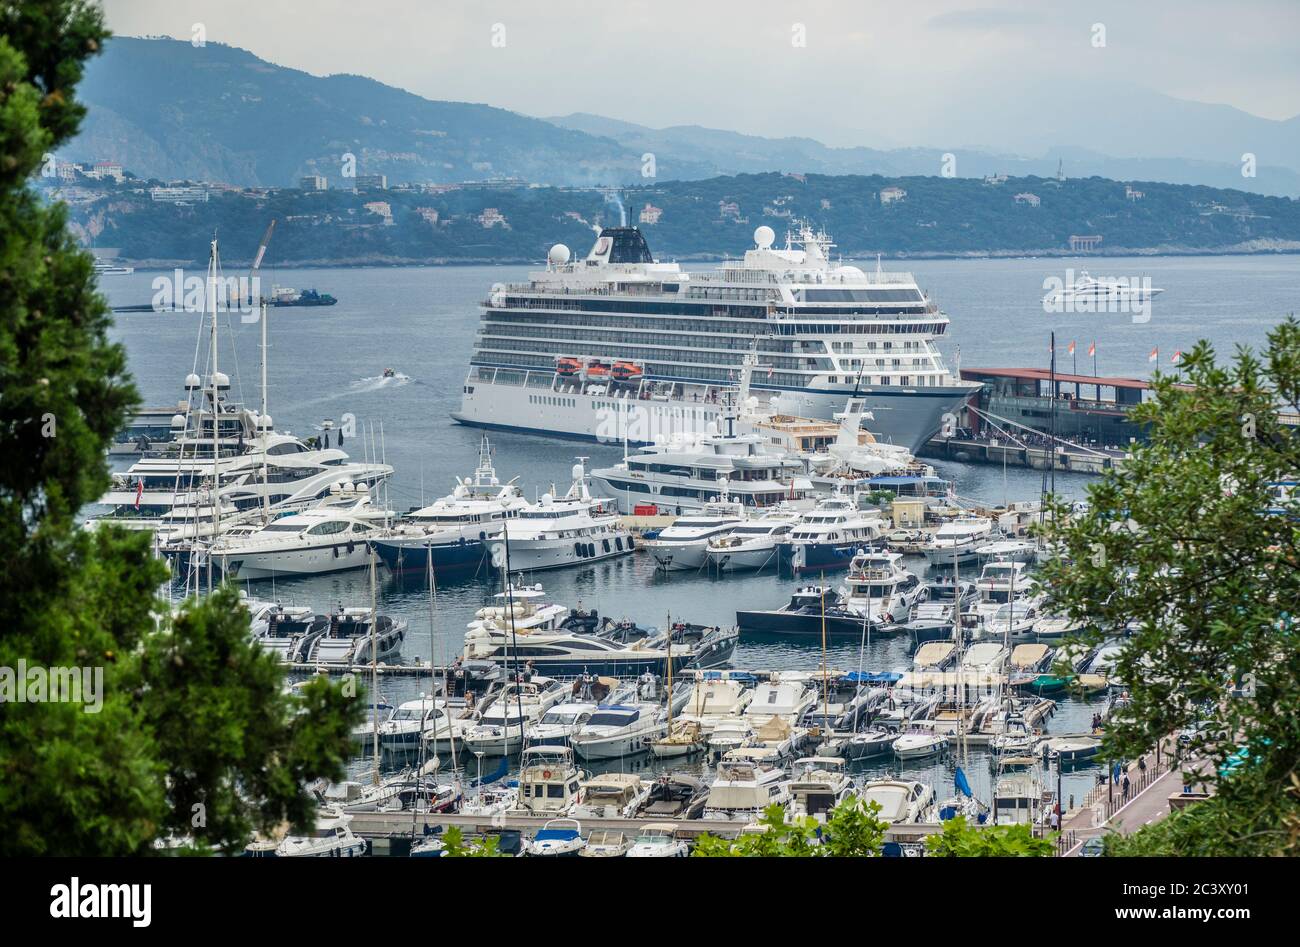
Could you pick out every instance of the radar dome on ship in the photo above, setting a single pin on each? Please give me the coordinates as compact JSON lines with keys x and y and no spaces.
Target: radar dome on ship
{"x":264,"y":422}
{"x":221,"y":380}
{"x":178,"y":421}
{"x":577,"y":472}
{"x":559,"y":255}
{"x":192,"y":382}
{"x":763,"y":237}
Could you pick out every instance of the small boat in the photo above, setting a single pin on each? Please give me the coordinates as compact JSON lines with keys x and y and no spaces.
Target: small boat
{"x":876,"y":741}
{"x":658,"y":840}
{"x":820,"y":784}
{"x":901,"y":801}
{"x":331,"y":838}
{"x":626,"y":371}
{"x":568,"y":367}
{"x":606,"y":843}
{"x":389,"y":373}
{"x":1071,"y":749}
{"x":558,"y":838}
{"x":674,"y":796}
{"x":915,"y":744}
{"x":611,"y":796}
{"x":686,"y":739}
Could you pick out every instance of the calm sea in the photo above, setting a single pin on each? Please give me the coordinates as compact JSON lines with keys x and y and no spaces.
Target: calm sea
{"x":328,"y":362}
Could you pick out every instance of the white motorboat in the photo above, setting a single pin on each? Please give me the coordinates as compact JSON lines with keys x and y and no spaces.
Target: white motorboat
{"x":742,"y":790}
{"x":1018,"y":792}
{"x":683,"y":545}
{"x":830,"y":535}
{"x":753,"y":544}
{"x":880,"y":589}
{"x":558,"y":725}
{"x":328,"y":537}
{"x":490,"y":801}
{"x":607,"y":843}
{"x":450,"y":534}
{"x":557,"y":838}
{"x":352,"y":638}
{"x":549,"y":781}
{"x":786,"y":700}
{"x":617,"y":730}
{"x":658,"y":840}
{"x":957,"y":540}
{"x":1006,"y":550}
{"x":714,"y":699}
{"x":611,"y":796}
{"x":503,"y":723}
{"x":819,"y":785}
{"x":331,"y":837}
{"x":918,"y":743}
{"x":901,"y":801}
{"x":423,"y":722}
{"x":1100,"y":294}
{"x":1056,"y":627}
{"x":568,"y":530}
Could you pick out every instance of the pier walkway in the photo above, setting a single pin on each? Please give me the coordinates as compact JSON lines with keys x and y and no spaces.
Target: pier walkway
{"x":1154,"y":790}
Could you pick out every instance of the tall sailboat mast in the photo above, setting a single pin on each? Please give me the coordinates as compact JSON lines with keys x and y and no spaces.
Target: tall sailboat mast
{"x":216,"y":420}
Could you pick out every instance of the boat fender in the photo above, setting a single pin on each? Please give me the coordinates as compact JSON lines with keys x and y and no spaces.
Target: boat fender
{"x":336,"y":552}
{"x":546,"y":774}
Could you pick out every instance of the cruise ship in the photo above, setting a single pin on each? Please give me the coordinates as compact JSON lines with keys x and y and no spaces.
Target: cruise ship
{"x":621,"y":348}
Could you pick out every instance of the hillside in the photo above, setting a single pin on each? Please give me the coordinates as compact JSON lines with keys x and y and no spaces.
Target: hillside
{"x":168,"y":110}
{"x":690,"y":219}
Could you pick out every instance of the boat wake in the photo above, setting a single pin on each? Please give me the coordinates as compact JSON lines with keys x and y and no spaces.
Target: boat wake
{"x":380,"y":382}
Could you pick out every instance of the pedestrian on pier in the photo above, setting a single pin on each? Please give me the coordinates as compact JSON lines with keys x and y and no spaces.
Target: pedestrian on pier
{"x":1142,"y":764}
{"x":1124,"y":787}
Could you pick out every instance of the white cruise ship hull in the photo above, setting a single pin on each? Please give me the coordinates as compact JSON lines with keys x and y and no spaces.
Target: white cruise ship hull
{"x":905,"y":416}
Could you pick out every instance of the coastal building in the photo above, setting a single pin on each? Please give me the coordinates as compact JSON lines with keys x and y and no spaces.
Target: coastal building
{"x":429,"y":214}
{"x":889,"y":195}
{"x":1025,"y":197}
{"x":312,"y":182}
{"x":1084,"y":242}
{"x":382,"y":209}
{"x":993,"y":180}
{"x":650,"y":214}
{"x":106,"y":169}
{"x":729,"y":210}
{"x":491,"y":217}
{"x":371,"y":182}
{"x":1130,"y":194}
{"x":179,"y":194}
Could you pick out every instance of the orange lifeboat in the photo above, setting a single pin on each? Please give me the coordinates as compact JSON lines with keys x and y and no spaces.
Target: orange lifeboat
{"x":568,"y":366}
{"x":626,"y":371}
{"x":597,"y":370}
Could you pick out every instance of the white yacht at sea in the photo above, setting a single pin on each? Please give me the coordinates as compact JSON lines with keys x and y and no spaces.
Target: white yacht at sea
{"x":620,"y":348}
{"x":753,"y":544}
{"x":556,"y":531}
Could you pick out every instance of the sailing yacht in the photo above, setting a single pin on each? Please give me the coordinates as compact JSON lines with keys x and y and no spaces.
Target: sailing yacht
{"x":557,"y":531}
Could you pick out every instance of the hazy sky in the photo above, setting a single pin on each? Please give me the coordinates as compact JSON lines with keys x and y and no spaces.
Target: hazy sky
{"x":871,"y":73}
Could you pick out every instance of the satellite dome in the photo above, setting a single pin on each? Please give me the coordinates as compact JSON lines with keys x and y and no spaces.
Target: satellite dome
{"x":763,"y":237}
{"x":178,"y":421}
{"x":221,"y":380}
{"x":577,"y":471}
{"x":559,"y":255}
{"x":264,"y":422}
{"x":191,"y":382}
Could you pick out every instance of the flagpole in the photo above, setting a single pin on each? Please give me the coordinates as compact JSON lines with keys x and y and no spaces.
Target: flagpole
{"x":1094,"y":358}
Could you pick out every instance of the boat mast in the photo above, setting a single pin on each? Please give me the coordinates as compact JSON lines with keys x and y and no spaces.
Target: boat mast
{"x":514,"y":643}
{"x":670,"y":674}
{"x":216,"y":425}
{"x":826,"y":699}
{"x":266,"y":429}
{"x":374,"y":660}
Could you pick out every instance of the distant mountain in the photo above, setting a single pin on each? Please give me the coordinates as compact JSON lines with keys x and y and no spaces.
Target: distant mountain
{"x":166,"y":109}
{"x":725,"y":152}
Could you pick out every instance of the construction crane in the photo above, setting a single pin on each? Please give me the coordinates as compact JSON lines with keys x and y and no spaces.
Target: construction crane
{"x":257,"y":262}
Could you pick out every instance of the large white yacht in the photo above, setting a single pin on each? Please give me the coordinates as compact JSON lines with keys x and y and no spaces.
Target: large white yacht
{"x":451,"y":533}
{"x":956,"y":542}
{"x":621,"y":348}
{"x":753,"y":544}
{"x":880,"y":589}
{"x":573,"y":529}
{"x":260,"y":472}
{"x":684,"y":543}
{"x":830,"y":535}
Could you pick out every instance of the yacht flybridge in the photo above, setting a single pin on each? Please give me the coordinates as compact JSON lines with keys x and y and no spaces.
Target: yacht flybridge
{"x":622,"y":348}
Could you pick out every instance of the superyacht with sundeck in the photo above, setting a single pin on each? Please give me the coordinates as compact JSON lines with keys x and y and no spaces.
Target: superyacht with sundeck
{"x":622,"y":348}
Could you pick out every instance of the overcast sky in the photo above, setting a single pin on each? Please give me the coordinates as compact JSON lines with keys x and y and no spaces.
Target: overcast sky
{"x":881,"y":73}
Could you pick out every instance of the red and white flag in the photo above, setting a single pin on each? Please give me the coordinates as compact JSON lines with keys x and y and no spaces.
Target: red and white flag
{"x":1071,"y":346}
{"x":1176,"y":357}
{"x":1155,"y":354}
{"x":1092,"y":349}
{"x":139,"y":492}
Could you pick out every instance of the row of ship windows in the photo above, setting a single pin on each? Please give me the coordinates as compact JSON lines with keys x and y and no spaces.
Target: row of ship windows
{"x":729,"y":327}
{"x":784,"y":379}
{"x":695,"y":307}
{"x":615,"y":348}
{"x":552,"y":400}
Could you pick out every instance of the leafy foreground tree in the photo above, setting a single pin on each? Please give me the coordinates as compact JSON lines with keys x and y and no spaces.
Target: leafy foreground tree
{"x":455,"y":845}
{"x":1190,"y":545}
{"x":851,"y":829}
{"x":190,"y":732}
{"x":960,"y":839}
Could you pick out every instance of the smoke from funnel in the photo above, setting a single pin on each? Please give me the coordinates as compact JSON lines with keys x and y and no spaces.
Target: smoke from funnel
{"x":613,"y":198}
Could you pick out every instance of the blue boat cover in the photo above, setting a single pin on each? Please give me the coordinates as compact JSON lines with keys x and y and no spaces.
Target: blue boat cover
{"x":874,"y":677}
{"x":962,"y":784}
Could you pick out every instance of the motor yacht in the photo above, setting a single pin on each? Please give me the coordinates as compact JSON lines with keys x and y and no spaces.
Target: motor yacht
{"x":352,"y":638}
{"x":819,"y":784}
{"x":880,"y":589}
{"x":331,"y":837}
{"x":615,"y":731}
{"x":753,"y":544}
{"x":830,"y":535}
{"x":503,"y":723}
{"x":611,"y":796}
{"x":683,"y":545}
{"x":955,"y":542}
{"x":568,"y":530}
{"x":549,"y":782}
{"x":901,"y":801}
{"x":658,"y":840}
{"x":742,"y":790}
